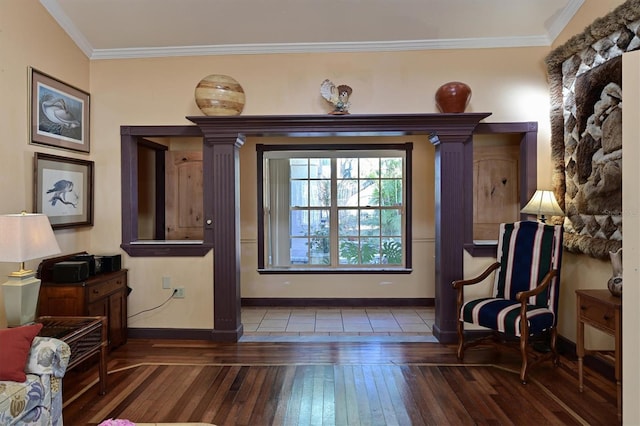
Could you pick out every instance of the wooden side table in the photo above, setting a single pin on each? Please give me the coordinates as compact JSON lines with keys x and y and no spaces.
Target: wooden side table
{"x":599,"y":309}
{"x":86,"y":336}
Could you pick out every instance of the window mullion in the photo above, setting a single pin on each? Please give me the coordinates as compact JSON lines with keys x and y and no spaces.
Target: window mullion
{"x":333,"y":215}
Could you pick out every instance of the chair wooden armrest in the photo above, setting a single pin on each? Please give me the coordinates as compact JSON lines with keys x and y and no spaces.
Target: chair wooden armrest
{"x":524,"y":295}
{"x":458,"y":284}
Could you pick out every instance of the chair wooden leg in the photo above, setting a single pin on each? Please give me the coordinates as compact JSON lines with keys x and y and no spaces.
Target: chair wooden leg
{"x":523,"y":352}
{"x":554,"y":339}
{"x":460,"y":340}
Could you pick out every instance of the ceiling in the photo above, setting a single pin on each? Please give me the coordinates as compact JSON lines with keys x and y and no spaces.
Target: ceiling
{"x":106,"y":29}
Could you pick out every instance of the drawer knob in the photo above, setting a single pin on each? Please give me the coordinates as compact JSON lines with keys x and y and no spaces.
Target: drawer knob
{"x":607,"y":317}
{"x":95,"y":291}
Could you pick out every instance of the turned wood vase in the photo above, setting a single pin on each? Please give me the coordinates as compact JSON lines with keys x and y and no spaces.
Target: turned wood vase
{"x":218,"y":94}
{"x":453,"y":97}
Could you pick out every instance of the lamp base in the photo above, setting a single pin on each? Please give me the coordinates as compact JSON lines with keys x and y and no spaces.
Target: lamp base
{"x":21,"y":299}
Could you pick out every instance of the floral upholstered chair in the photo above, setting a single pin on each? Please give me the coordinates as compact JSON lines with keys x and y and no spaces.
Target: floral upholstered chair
{"x":36,"y":400}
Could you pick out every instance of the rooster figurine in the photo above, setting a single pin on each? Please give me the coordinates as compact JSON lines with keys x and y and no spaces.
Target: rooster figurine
{"x":338,"y":96}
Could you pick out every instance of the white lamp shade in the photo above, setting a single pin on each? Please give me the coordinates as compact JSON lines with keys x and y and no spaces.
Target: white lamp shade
{"x":26,"y":236}
{"x":543,"y":203}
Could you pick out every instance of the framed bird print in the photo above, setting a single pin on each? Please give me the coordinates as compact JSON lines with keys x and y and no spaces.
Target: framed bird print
{"x":59,"y":113}
{"x":64,"y":190}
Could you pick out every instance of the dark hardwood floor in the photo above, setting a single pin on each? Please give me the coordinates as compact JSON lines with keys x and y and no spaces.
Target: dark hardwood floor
{"x":347,"y":383}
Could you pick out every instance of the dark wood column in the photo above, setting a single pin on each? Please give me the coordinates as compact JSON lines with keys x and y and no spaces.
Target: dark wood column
{"x":221,"y":200}
{"x":454,"y":164}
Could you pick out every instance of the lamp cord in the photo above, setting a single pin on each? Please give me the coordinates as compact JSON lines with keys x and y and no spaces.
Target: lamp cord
{"x":175,"y":290}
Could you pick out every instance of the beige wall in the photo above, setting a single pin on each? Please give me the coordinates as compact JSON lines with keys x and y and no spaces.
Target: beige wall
{"x":510,"y":83}
{"x":30,"y":37}
{"x":160,"y":91}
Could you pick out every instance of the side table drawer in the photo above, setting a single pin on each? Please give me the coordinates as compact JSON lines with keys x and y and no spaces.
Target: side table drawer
{"x":103,"y":289}
{"x":597,"y":314}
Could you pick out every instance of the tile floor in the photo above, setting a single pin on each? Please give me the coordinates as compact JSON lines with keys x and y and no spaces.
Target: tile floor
{"x":338,"y":324}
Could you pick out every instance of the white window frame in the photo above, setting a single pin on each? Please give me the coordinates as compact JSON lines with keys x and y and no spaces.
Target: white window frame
{"x":276,"y":258}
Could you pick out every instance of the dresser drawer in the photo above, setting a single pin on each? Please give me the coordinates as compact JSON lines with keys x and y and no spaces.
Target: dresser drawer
{"x":597,"y":314}
{"x":103,"y":289}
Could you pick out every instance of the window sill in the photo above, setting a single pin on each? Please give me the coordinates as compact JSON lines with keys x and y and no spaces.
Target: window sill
{"x":482,"y":250}
{"x":164,"y":249}
{"x":317,"y":271}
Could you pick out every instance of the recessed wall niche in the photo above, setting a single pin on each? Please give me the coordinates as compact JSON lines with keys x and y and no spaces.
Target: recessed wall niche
{"x":504,"y":162}
{"x":162,"y":176}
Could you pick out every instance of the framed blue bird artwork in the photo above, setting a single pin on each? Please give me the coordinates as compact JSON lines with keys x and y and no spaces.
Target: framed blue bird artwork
{"x":59,"y":113}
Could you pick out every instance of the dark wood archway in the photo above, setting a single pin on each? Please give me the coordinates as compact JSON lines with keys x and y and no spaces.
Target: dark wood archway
{"x":450,"y":133}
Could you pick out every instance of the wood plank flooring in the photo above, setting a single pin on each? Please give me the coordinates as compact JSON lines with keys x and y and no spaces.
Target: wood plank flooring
{"x":344,"y":383}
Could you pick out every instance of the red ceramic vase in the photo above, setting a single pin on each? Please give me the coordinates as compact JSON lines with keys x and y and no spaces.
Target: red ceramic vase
{"x":453,"y":97}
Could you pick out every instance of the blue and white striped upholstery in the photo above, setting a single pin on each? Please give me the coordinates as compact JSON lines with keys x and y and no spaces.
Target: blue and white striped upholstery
{"x":527,"y":251}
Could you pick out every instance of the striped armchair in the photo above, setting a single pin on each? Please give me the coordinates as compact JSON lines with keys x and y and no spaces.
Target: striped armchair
{"x":524,"y":302}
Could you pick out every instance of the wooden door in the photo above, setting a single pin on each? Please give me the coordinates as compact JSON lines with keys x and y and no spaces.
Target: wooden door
{"x":496,"y":188}
{"x":183,"y":202}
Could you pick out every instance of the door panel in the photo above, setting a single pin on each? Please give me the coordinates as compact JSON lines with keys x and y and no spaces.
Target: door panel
{"x":496,"y":189}
{"x":183,"y":204}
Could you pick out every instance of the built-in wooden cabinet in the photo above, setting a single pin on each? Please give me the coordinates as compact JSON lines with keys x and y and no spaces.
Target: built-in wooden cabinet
{"x":503,"y":160}
{"x":104,"y":294}
{"x":495,"y":189}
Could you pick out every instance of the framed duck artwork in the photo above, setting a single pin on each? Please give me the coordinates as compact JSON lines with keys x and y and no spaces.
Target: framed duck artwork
{"x":59,"y":113}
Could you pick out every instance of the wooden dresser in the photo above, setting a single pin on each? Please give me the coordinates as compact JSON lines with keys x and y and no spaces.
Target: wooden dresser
{"x":601,"y":310}
{"x":99,"y":295}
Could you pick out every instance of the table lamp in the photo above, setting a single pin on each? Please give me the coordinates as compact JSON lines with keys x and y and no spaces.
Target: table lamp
{"x":23,"y":237}
{"x":543,"y":203}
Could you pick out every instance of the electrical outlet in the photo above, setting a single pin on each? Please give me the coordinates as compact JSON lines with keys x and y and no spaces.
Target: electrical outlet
{"x":166,"y":283}
{"x":179,"y":293}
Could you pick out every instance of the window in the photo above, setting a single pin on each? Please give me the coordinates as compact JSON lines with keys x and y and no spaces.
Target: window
{"x":334,"y":207}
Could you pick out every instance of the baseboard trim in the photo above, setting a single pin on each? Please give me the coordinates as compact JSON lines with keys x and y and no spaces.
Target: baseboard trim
{"x":186,"y":334}
{"x":169,"y":333}
{"x":445,"y":337}
{"x":335,"y":302}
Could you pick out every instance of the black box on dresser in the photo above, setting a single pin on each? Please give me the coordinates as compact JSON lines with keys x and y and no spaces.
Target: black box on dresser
{"x":101,"y":294}
{"x":71,"y":271}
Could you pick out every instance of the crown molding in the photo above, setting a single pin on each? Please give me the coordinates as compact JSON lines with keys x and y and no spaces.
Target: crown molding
{"x":560,"y":21}
{"x":380,"y":46}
